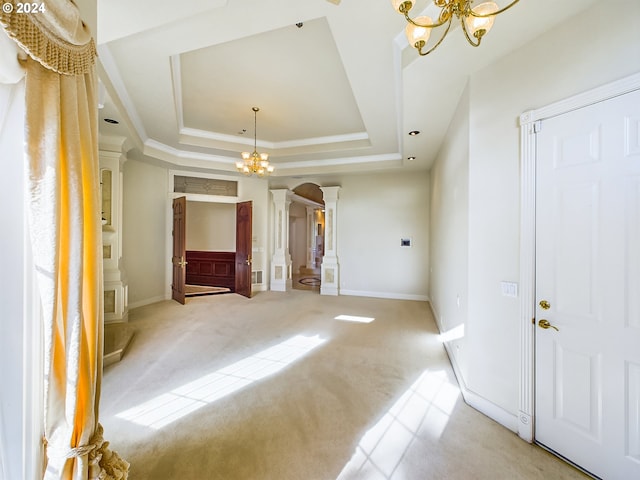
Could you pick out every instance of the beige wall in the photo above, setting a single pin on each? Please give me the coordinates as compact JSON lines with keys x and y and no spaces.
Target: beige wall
{"x":375,"y":211}
{"x":143,"y":231}
{"x":582,"y":54}
{"x":211,"y":227}
{"x":147,"y":228}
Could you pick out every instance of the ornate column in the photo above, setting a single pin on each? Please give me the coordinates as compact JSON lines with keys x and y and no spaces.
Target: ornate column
{"x":330,"y":267}
{"x":116,"y":305}
{"x":281,"y":260}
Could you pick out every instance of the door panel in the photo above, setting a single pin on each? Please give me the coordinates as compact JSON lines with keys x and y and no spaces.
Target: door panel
{"x":588,"y":270}
{"x":179,"y":249}
{"x":244,"y":215}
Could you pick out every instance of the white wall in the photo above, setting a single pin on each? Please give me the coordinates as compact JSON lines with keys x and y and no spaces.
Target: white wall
{"x":374,"y":213}
{"x":211,"y":227}
{"x":12,"y":279}
{"x":449,"y":234}
{"x":582,"y":54}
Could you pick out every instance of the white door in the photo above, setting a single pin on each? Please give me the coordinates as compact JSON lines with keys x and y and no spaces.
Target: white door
{"x":588,"y":273}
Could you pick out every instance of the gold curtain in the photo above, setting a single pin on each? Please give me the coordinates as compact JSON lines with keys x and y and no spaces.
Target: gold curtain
{"x":64,"y":218}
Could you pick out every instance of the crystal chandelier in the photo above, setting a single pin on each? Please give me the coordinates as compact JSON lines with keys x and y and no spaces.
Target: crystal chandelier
{"x":476,"y":21}
{"x":255,"y":162}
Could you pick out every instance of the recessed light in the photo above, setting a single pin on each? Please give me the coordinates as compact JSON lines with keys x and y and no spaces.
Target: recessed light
{"x":413,"y":133}
{"x":411,"y":159}
{"x":112,"y":121}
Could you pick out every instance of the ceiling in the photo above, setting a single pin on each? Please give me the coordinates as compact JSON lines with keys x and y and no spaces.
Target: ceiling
{"x":337,"y":85}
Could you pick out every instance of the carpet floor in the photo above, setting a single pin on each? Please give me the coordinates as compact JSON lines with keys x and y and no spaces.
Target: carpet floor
{"x":298,"y":386}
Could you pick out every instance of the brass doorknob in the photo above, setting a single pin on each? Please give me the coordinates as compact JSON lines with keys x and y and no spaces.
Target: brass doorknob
{"x":546,"y":324}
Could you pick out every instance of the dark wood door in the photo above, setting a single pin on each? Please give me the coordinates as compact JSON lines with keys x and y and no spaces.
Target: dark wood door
{"x":179,"y":249}
{"x":244,"y":214}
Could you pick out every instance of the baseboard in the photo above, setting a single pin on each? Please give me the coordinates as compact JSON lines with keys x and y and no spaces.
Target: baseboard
{"x":471,"y":398}
{"x":392,"y":296}
{"x":147,"y":301}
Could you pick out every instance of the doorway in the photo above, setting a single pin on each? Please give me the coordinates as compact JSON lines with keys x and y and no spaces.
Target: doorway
{"x":211,"y":249}
{"x":580,"y":274}
{"x":306,"y":237}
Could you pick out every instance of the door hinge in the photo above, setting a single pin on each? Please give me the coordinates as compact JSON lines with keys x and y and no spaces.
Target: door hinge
{"x":537,"y":126}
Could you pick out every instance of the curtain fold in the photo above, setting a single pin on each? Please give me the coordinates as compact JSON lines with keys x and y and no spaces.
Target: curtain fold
{"x":64,"y":215}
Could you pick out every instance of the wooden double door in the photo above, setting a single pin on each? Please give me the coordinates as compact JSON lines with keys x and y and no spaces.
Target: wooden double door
{"x":243,"y":259}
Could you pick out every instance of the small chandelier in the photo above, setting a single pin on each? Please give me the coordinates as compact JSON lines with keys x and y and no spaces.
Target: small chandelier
{"x":476,"y":21}
{"x":255,"y":162}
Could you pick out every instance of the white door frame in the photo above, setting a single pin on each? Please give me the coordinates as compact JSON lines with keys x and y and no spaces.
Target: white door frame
{"x":529,"y":124}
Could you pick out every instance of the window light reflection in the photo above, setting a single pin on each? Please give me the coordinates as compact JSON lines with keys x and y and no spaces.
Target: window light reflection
{"x":169,"y":407}
{"x":423,"y":410}
{"x":354,"y":318}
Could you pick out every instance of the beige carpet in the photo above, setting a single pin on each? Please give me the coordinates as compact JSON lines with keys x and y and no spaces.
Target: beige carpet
{"x":277,"y":387}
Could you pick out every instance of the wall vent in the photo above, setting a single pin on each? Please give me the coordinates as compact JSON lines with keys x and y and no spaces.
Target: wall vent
{"x":256,"y":277}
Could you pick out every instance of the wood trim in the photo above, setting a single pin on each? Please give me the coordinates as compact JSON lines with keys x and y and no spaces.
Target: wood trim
{"x":215,"y":269}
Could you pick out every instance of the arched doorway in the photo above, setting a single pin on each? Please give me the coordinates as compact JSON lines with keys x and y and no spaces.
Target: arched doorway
{"x":306,"y":236}
{"x":281,"y":264}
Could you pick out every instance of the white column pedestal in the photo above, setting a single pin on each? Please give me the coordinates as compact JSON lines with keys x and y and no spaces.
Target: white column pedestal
{"x":281,"y":260}
{"x":330,"y":266}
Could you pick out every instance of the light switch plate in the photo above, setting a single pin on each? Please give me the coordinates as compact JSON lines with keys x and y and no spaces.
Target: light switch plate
{"x":509,"y":289}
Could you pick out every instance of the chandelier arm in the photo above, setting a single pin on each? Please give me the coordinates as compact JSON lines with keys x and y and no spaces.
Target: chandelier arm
{"x":431,"y":25}
{"x":492,"y":14}
{"x":439,"y":41}
{"x":468,"y":37}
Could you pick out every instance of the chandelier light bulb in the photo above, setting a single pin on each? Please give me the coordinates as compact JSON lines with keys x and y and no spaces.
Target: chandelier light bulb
{"x":416,"y":34}
{"x":401,"y":6}
{"x":476,"y":21}
{"x":475,"y":25}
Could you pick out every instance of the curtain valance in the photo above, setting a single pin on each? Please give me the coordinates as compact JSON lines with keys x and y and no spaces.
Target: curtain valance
{"x":54,"y":36}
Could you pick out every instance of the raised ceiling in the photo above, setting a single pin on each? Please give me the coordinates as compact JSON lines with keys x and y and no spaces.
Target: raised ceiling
{"x":337,"y":85}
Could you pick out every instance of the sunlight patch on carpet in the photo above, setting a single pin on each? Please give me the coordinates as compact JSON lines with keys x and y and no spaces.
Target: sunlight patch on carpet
{"x":423,"y":410}
{"x":354,"y":318}
{"x":180,"y":402}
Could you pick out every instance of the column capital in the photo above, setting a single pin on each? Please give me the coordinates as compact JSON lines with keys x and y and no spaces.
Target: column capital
{"x":280,"y":195}
{"x":330,"y":194}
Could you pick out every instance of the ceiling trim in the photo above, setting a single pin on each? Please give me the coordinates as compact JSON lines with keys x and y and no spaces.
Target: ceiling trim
{"x":197,"y":159}
{"x":186,"y":133}
{"x":386,"y":157}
